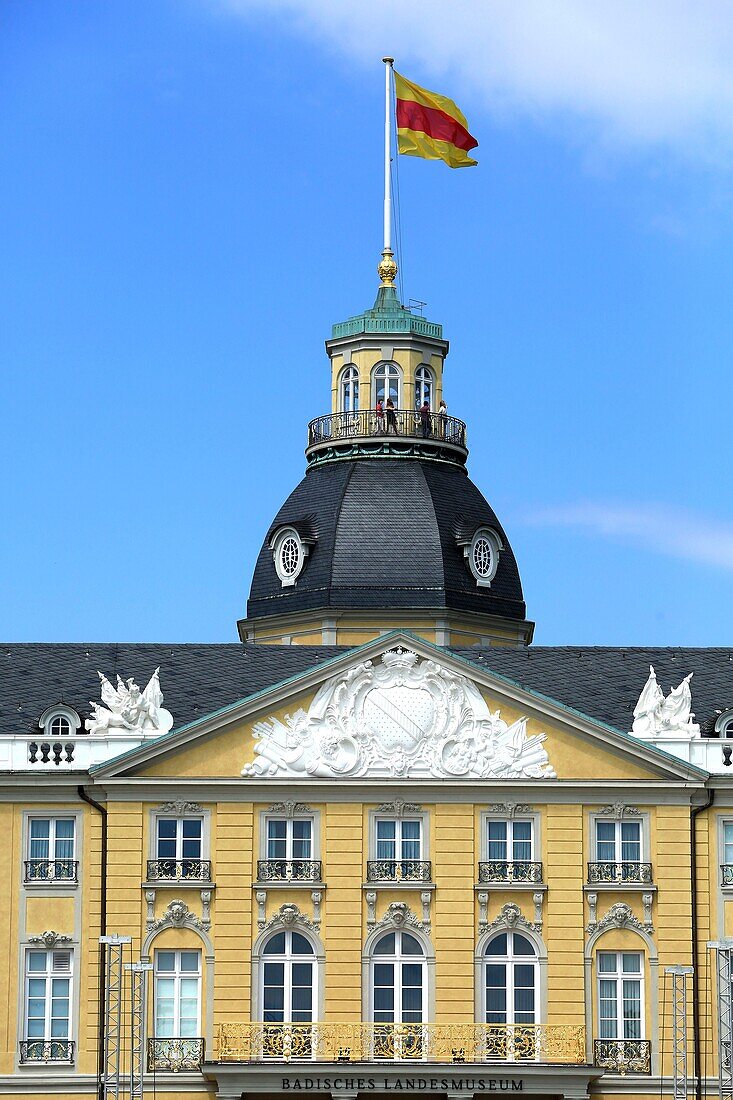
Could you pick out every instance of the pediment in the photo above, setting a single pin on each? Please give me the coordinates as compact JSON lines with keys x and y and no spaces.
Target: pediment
{"x":398,"y":708}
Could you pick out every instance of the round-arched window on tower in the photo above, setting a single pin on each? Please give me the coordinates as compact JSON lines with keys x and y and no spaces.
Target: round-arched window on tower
{"x":386,"y":383}
{"x":423,"y":386}
{"x":350,"y":390}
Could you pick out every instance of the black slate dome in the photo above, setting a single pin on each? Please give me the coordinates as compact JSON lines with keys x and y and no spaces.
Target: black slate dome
{"x":386,"y":534}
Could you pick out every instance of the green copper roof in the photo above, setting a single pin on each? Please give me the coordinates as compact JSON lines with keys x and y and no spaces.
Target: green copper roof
{"x":387,"y":315}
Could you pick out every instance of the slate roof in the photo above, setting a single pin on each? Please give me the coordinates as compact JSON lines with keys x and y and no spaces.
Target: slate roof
{"x":599,"y":681}
{"x":386,"y":532}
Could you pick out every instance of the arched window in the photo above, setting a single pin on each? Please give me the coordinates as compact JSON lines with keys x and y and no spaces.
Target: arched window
{"x":423,"y":387}
{"x":386,"y":383}
{"x":288,"y":979}
{"x":510,"y":980}
{"x":398,"y":994}
{"x":350,"y":390}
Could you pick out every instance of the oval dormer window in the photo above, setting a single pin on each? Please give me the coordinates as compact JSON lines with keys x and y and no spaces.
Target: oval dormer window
{"x":289,"y":554}
{"x":483,"y":555}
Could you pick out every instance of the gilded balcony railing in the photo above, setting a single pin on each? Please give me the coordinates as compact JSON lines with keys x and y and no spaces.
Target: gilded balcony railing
{"x":175,"y":1055}
{"x":627,"y":871}
{"x":623,"y":1056}
{"x":429,"y":1042}
{"x":399,"y":870}
{"x":47,"y":1050}
{"x":509,"y":870}
{"x":173,"y":870}
{"x":51,"y":870}
{"x":289,"y":870}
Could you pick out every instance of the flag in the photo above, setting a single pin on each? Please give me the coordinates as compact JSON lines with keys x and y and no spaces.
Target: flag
{"x":430,"y":125}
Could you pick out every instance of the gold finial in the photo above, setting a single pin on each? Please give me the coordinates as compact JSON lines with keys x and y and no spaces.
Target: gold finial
{"x":387,"y":269}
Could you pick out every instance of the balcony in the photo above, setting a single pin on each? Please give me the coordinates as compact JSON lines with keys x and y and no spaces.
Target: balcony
{"x":629,"y":872}
{"x":289,"y":870}
{"x":179,"y":870}
{"x":369,"y":1042}
{"x":33,"y":1051}
{"x":623,"y":1056}
{"x":346,"y":434}
{"x":399,"y":870}
{"x":175,"y":1055}
{"x":508,"y":870}
{"x":51,"y":870}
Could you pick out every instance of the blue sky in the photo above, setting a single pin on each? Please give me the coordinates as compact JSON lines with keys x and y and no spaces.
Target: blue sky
{"x":191,"y":196}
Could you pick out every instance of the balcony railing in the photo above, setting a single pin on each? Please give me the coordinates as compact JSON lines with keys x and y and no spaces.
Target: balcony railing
{"x":623,"y":1056}
{"x":175,"y":1055}
{"x":399,"y":870}
{"x":365,"y":424}
{"x":509,"y":870}
{"x":54,"y":752}
{"x":726,"y":874}
{"x":368,"y":1042}
{"x":178,"y":870}
{"x":627,"y":871}
{"x":289,"y":870}
{"x":47,"y":1050}
{"x":51,"y":870}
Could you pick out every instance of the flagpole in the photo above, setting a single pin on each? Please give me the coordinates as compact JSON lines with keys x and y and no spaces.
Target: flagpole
{"x":387,"y":268}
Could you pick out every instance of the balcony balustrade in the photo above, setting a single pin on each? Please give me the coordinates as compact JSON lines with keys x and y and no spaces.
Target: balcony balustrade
{"x":619,"y":873}
{"x":509,"y":870}
{"x":399,"y":870}
{"x":51,"y":870}
{"x":365,"y":424}
{"x":289,"y":870}
{"x":178,"y":870}
{"x":726,"y":874}
{"x":623,"y":1056}
{"x":46,"y":1050}
{"x":175,"y":1055}
{"x":370,"y":1042}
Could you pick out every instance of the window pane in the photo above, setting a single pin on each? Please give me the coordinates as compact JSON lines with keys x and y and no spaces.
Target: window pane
{"x":36,"y":961}
{"x":495,"y":994}
{"x":190,"y":961}
{"x":301,"y":840}
{"x":631,"y":963}
{"x":632,"y":1009}
{"x":277,"y":839}
{"x":301,"y":945}
{"x":64,"y":846}
{"x":497,"y":946}
{"x":39,"y":839}
{"x":497,"y":839}
{"x":166,"y":838}
{"x":165,"y":961}
{"x":728,"y":842}
{"x":385,"y":946}
{"x":630,"y":841}
{"x":606,"y":841}
{"x":275,"y":945}
{"x":522,"y":840}
{"x":386,"y":846}
{"x":606,"y":962}
{"x":522,"y":945}
{"x":410,"y":945}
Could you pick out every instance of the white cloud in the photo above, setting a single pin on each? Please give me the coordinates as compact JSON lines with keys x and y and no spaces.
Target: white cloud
{"x":640,"y":72}
{"x":675,"y":532}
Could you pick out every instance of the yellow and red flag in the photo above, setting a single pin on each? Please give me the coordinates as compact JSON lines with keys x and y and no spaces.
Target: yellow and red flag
{"x":430,"y":125}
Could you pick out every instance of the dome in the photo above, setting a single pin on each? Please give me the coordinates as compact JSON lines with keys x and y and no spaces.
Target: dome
{"x":383,"y":537}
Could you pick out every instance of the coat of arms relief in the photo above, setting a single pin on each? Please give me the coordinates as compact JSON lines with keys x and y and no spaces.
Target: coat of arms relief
{"x":401,"y":717}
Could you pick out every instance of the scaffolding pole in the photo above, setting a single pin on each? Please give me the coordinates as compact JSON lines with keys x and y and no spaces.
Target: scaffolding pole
{"x":679,"y":976}
{"x":113,"y":948}
{"x":138,"y":984}
{"x":723,"y":951}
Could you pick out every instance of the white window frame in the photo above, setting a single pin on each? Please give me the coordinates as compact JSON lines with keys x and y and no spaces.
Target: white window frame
{"x":396,"y":372}
{"x":492,"y":537}
{"x":387,"y":815}
{"x":509,"y":961}
{"x":48,"y":975}
{"x":59,"y":710}
{"x":289,"y":823}
{"x":399,"y":840}
{"x":424,"y":385}
{"x":179,"y":819}
{"x":723,"y":824}
{"x":53,"y":820}
{"x":177,"y":975}
{"x":397,"y":960}
{"x":617,"y":842}
{"x":288,"y":579}
{"x":618,"y":977}
{"x":349,"y":385}
{"x":307,"y":815}
{"x":288,"y":958}
{"x":510,"y":822}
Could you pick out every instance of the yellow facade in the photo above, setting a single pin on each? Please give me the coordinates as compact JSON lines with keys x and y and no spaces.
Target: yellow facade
{"x":568,"y":919}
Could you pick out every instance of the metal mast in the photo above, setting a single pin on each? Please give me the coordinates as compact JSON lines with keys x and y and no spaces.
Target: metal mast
{"x":723,"y":950}
{"x":114,"y":946}
{"x":679,"y":975}
{"x":138,"y":984}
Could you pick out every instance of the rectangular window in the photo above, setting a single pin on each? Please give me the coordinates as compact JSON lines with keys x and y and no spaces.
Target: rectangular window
{"x":618,"y":841}
{"x":728,"y":842}
{"x":620,"y":999}
{"x":177,"y":994}
{"x":179,"y":838}
{"x":510,"y":841}
{"x":47,"y":1002}
{"x":51,"y":848}
{"x":289,"y":838}
{"x":399,"y":839}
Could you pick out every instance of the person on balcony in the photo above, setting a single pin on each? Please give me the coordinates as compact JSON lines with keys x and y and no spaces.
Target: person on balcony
{"x":379,"y":410}
{"x":442,"y":419}
{"x":426,"y":424}
{"x":391,"y":418}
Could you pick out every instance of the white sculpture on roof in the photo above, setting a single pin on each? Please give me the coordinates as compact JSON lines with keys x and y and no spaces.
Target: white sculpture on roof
{"x":657,"y":716}
{"x":126,"y":707}
{"x":401,"y":717}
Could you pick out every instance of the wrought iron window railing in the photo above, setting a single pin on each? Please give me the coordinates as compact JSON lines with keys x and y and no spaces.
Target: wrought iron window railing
{"x":47,"y":1050}
{"x":399,"y":870}
{"x":365,"y":424}
{"x":509,"y":870}
{"x":623,"y":1056}
{"x":289,"y":870}
{"x":726,"y":874}
{"x":177,"y":870}
{"x":175,"y":1055}
{"x":51,"y":870}
{"x":369,"y":1042}
{"x":626,"y":871}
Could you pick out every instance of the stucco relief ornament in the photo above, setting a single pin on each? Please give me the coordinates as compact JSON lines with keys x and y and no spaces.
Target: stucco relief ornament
{"x":618,"y":916}
{"x":49,"y":938}
{"x":126,"y":707}
{"x":399,"y":915}
{"x":657,"y":716}
{"x":402,"y":717}
{"x":511,"y":917}
{"x":290,"y":916}
{"x":177,"y":915}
